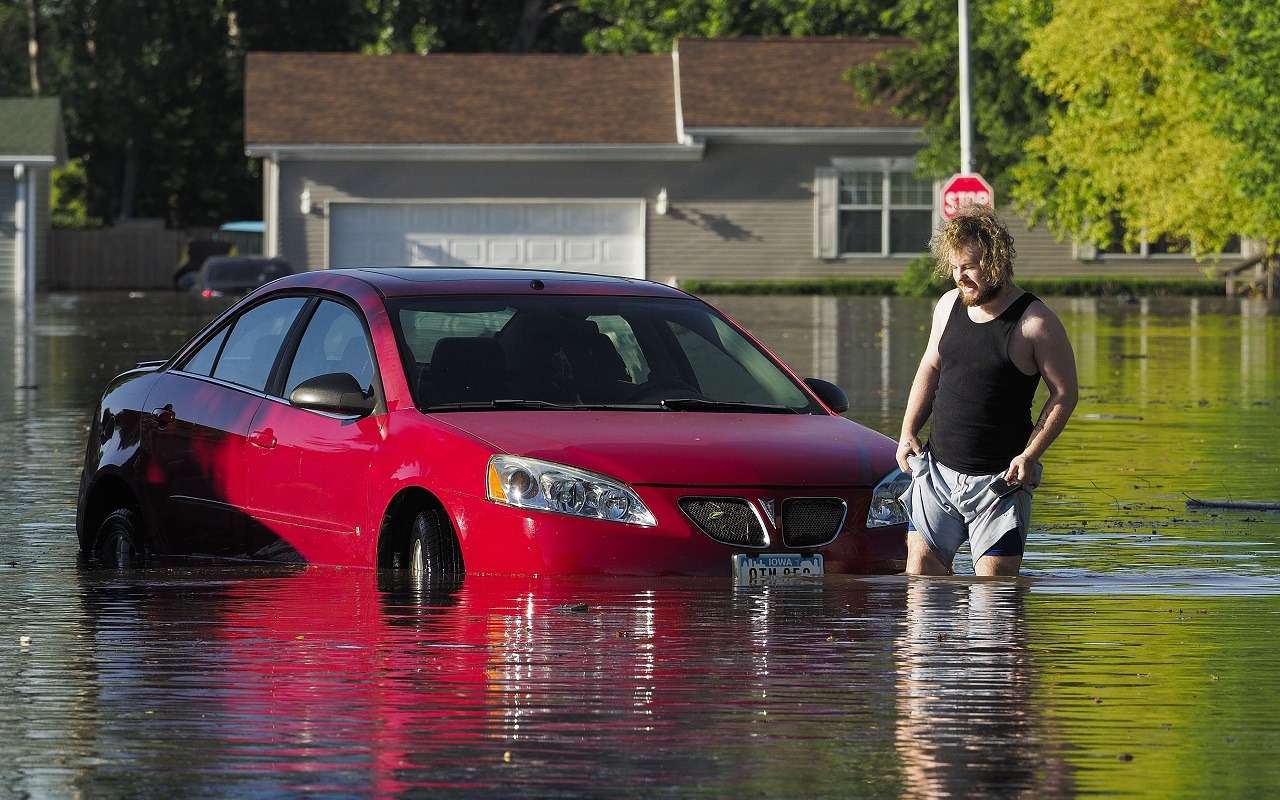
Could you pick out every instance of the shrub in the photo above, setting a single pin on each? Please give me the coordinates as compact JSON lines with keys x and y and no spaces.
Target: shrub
{"x":919,"y":279}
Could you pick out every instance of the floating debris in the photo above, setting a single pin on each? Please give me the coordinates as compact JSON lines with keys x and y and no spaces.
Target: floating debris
{"x":1246,"y":505}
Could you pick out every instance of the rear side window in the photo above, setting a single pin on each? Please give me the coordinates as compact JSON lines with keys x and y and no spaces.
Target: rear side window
{"x":334,"y":342}
{"x":255,"y":340}
{"x":202,"y":362}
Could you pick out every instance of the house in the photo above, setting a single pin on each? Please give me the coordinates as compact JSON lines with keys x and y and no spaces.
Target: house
{"x":725,"y":159}
{"x":31,"y":145}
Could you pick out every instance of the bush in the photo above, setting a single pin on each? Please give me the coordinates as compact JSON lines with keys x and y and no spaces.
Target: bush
{"x":826,"y":286}
{"x":1083,"y":286}
{"x":920,"y":279}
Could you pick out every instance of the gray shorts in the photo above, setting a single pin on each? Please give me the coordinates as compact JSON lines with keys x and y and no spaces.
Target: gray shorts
{"x":946,"y":507}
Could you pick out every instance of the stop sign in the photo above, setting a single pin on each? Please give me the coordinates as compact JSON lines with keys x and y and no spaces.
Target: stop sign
{"x":965,"y":189}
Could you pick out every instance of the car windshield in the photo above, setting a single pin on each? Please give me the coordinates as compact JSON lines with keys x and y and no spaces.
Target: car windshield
{"x":556,"y":352}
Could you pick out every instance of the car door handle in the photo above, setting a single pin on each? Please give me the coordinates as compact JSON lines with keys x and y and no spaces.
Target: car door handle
{"x":163,"y":415}
{"x":265,"y":438}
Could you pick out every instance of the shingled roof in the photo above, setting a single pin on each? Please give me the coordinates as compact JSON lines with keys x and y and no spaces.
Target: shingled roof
{"x":301,"y":99}
{"x":456,"y":99}
{"x":31,"y":130}
{"x":779,"y":83}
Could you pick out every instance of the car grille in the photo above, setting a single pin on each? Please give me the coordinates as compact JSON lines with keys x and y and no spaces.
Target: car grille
{"x":726,"y":519}
{"x":812,"y":521}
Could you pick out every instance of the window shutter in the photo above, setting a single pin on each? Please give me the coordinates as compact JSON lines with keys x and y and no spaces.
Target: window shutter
{"x":826,"y":186}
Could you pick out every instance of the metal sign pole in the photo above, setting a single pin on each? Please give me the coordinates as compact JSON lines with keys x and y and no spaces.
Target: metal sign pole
{"x":966,"y":123}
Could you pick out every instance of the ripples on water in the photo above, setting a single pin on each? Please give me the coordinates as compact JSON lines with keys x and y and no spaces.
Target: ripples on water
{"x":1137,"y":657}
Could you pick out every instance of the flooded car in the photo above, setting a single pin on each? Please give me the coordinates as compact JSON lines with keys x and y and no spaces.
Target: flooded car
{"x":486,"y":421}
{"x":234,"y":276}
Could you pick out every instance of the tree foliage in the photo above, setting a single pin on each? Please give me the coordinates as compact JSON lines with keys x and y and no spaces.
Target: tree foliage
{"x":640,"y":26}
{"x":1134,"y":148}
{"x":923,"y":82}
{"x":1244,"y":87}
{"x":153,"y":92}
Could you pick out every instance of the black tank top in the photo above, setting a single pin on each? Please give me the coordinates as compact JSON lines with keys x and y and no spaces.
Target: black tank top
{"x":982,"y":410}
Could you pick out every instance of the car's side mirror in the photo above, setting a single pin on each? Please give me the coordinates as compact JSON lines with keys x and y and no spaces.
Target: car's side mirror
{"x":335,"y":392}
{"x":830,"y":394}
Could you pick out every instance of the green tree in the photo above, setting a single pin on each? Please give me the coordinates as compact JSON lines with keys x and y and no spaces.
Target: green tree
{"x":14,"y":80}
{"x":149,"y":95}
{"x":1244,"y":86}
{"x":923,"y":82}
{"x":1134,"y":147}
{"x":638,"y":26}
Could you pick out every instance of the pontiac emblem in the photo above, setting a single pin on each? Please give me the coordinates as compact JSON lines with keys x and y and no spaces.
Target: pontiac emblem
{"x":770,"y":507}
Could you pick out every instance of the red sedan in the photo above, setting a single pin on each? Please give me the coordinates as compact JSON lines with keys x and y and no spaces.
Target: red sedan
{"x":486,"y":421}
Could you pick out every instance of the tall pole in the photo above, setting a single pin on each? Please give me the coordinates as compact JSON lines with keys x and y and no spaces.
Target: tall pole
{"x":966,"y":123}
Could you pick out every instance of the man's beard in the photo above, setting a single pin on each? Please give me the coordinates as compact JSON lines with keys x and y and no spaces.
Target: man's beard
{"x":981,"y":296}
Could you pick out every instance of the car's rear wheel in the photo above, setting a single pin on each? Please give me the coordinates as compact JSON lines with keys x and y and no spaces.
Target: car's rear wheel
{"x":432,"y":551}
{"x":118,"y":541}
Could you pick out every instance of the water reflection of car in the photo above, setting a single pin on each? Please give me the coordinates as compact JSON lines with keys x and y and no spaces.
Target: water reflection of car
{"x":238,"y":275}
{"x":488,"y":420}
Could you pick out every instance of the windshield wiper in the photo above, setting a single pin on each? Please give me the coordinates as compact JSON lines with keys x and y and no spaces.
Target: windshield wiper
{"x":481,"y":405}
{"x":538,"y":405}
{"x":698,"y":404}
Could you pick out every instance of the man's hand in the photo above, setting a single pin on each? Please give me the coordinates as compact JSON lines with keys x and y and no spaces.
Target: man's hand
{"x":907,"y":446}
{"x":1023,"y":469}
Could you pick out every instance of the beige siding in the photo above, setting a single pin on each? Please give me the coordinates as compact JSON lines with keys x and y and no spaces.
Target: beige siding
{"x":1040,"y":255}
{"x":743,"y":211}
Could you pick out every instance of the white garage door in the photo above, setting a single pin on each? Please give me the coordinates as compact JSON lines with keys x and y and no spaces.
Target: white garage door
{"x":606,"y":238}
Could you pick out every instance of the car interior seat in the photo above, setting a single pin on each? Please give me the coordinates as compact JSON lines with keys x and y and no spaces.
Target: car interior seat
{"x":601,"y":373}
{"x":464,"y":369}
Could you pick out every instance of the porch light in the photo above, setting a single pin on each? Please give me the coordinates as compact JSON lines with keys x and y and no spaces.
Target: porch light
{"x":304,"y":202}
{"x":660,"y":205}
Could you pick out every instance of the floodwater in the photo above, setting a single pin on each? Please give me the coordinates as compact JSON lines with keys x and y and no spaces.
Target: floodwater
{"x":1137,"y":657}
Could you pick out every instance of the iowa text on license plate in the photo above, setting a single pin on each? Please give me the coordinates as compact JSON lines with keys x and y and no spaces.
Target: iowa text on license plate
{"x":775,"y":567}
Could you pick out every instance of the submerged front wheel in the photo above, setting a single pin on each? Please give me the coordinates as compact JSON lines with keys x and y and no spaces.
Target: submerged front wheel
{"x":118,"y":541}
{"x":431,"y":550}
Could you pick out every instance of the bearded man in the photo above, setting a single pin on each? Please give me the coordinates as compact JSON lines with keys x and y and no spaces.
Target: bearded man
{"x":990,"y":345}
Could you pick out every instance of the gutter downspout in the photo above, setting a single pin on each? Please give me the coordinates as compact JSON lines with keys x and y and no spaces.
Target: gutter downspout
{"x":271,"y":236}
{"x":20,"y":240}
{"x":24,"y":280}
{"x":675,"y":77}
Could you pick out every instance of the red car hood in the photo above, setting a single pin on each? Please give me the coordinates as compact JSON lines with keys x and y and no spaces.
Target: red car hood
{"x":688,"y":448}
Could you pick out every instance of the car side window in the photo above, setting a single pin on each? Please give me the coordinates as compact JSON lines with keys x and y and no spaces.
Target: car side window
{"x":255,"y":340}
{"x":202,"y":362}
{"x":334,"y":342}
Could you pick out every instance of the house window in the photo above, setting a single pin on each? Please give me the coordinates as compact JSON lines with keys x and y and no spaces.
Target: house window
{"x":884,"y":212}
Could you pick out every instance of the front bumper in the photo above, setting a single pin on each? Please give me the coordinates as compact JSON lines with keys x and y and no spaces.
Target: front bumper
{"x":497,"y":538}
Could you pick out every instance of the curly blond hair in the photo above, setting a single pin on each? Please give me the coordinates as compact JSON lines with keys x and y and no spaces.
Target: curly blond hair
{"x":978,"y":226}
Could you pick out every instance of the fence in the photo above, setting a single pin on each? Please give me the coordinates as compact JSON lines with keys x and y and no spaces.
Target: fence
{"x":129,"y":256}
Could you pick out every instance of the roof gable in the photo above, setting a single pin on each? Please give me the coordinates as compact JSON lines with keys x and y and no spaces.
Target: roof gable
{"x":779,"y":83}
{"x":31,"y":128}
{"x":458,"y":99}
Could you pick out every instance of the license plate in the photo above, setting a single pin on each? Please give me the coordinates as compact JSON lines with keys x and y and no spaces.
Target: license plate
{"x":775,"y":567}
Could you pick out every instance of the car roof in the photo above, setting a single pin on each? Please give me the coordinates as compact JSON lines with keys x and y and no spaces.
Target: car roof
{"x":409,"y":281}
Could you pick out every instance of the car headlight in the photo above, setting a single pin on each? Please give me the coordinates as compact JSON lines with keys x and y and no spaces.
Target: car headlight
{"x":886,"y":508}
{"x":546,"y":486}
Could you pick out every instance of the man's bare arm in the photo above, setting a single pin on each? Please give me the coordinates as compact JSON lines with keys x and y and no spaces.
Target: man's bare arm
{"x":1057,"y":364}
{"x":925,"y":385}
